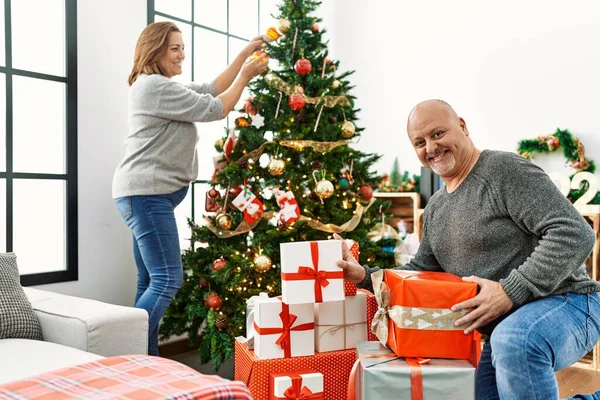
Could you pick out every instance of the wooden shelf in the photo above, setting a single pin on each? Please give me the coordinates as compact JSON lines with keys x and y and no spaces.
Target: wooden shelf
{"x":405,"y":206}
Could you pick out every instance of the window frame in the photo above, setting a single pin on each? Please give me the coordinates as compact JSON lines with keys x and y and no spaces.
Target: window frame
{"x":70,"y":177}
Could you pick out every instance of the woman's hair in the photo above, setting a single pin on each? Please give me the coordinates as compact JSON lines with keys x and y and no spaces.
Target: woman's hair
{"x":151,"y":46}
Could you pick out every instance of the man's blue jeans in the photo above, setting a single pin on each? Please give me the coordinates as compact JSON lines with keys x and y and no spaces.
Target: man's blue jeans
{"x":547,"y":335}
{"x":156,"y":252}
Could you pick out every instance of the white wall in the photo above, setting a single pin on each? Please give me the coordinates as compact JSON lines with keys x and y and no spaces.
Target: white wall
{"x":107,"y":32}
{"x":513,"y":69}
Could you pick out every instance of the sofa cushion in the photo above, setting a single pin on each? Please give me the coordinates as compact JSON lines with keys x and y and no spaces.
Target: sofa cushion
{"x":17,"y":319}
{"x":21,"y":358}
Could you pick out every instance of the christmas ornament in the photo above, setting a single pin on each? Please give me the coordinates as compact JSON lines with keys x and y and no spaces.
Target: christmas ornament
{"x":365,"y":192}
{"x":235,"y":190}
{"x":203,"y":283}
{"x":262,"y":263}
{"x":276,"y":166}
{"x":296,"y":101}
{"x":316,"y":164}
{"x":278,"y":104}
{"x":250,"y":108}
{"x":224,"y":221}
{"x":315,"y":27}
{"x":332,"y":120}
{"x":242,"y":122}
{"x":336,"y":84}
{"x":303,"y":66}
{"x":258,"y":121}
{"x":348,"y":129}
{"x":324,"y":188}
{"x":294,"y":42}
{"x":210,"y":203}
{"x":213,"y":301}
{"x":230,"y":144}
{"x":283,"y":26}
{"x":249,"y":204}
{"x":221,"y":322}
{"x":344,"y":184}
{"x":219,"y":144}
{"x":219,"y":263}
{"x":347,"y":173}
{"x":259,"y":53}
{"x":288,"y":205}
{"x":272,"y":33}
{"x":318,"y":118}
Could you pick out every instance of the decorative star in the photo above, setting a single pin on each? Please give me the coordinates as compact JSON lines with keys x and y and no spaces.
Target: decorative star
{"x":258,"y":121}
{"x":289,"y":211}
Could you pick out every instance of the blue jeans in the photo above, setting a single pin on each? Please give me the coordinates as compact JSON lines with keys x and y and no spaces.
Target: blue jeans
{"x":156,"y":252}
{"x":547,"y":335}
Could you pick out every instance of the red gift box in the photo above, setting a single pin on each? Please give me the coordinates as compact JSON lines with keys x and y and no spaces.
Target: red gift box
{"x":371,"y":310}
{"x":414,"y":317}
{"x":254,"y":372}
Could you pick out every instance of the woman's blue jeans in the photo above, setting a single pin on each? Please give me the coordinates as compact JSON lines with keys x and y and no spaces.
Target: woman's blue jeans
{"x":547,"y":335}
{"x":156,"y":252}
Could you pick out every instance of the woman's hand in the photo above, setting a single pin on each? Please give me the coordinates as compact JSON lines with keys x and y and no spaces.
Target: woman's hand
{"x":254,"y":67}
{"x":258,"y":43}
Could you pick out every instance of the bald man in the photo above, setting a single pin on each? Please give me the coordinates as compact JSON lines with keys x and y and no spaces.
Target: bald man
{"x":501,"y":222}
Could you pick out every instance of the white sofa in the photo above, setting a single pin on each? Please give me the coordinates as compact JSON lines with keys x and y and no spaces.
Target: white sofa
{"x":75,"y":331}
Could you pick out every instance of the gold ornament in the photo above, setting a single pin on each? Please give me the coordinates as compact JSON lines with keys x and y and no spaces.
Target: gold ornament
{"x":276,"y":166}
{"x":348,"y":129}
{"x":262,"y":263}
{"x":324,"y":189}
{"x":284,"y":25}
{"x":336,"y":84}
{"x":219,"y":144}
{"x":224,"y":221}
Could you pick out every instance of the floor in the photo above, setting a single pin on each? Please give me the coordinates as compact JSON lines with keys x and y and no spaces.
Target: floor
{"x":571,"y":381}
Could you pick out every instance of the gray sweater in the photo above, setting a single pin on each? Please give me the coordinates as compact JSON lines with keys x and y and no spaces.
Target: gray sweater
{"x":160,"y":149}
{"x":506,"y":222}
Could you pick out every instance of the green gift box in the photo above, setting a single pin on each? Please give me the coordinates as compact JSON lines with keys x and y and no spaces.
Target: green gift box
{"x":380,"y":375}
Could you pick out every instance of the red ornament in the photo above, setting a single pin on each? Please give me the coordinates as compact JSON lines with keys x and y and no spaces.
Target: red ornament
{"x":297,"y":101}
{"x":219,"y":263}
{"x":249,"y":107}
{"x":315,"y":27}
{"x":365,"y":192}
{"x":213,"y":301}
{"x":235,"y":190}
{"x":213,"y":193}
{"x":203,"y":283}
{"x":303,"y":66}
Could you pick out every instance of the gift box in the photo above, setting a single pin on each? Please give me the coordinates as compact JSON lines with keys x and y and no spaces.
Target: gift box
{"x":371,"y":311}
{"x":341,"y":324}
{"x":282,"y":330}
{"x":309,"y":272}
{"x":254,"y":372}
{"x":250,"y":306}
{"x":380,"y":374}
{"x":296,"y":385}
{"x":420,"y":322}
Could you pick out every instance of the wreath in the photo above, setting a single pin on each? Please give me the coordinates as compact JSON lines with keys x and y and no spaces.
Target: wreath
{"x":573,"y":151}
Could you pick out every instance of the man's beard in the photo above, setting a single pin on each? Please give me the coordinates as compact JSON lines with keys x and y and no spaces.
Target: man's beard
{"x":446,"y":164}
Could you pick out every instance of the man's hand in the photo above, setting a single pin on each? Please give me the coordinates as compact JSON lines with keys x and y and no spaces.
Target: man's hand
{"x":353,"y":272}
{"x":489,"y":304}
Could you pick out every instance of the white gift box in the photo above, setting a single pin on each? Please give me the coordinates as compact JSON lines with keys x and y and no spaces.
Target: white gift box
{"x":341,"y":325}
{"x":250,"y":305}
{"x":295,"y":384}
{"x":309,"y":272}
{"x":279,"y":336}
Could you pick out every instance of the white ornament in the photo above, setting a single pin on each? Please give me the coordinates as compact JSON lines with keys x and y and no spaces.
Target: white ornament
{"x":258,"y":121}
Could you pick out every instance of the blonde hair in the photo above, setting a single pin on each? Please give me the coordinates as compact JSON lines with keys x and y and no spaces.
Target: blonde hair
{"x":151,"y":46}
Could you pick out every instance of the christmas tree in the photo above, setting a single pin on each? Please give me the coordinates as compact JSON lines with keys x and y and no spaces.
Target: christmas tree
{"x":286,"y":172}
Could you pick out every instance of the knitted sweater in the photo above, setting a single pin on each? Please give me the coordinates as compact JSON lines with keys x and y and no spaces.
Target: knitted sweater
{"x":160,"y":149}
{"x":506,"y":222}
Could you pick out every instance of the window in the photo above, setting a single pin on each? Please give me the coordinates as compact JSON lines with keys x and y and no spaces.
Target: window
{"x":214,"y":32}
{"x":38,"y":132}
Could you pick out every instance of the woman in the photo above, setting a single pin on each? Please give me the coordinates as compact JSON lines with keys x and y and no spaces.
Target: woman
{"x":160,"y":160}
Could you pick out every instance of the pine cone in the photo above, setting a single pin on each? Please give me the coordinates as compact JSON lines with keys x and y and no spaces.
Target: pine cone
{"x":221,"y":322}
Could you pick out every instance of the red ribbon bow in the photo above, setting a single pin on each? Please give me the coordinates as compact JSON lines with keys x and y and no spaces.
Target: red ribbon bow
{"x":313,"y":273}
{"x":299,"y":392}
{"x":284,"y":340}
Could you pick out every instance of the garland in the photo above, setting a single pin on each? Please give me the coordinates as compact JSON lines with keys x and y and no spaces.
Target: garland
{"x":573,"y":150}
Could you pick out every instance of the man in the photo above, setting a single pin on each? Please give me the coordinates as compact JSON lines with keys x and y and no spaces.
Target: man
{"x":502,"y":223}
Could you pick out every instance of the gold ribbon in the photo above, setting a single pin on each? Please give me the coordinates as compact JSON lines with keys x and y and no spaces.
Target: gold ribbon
{"x":321,"y":147}
{"x":245,"y":227}
{"x":328,"y":101}
{"x":379,"y":324}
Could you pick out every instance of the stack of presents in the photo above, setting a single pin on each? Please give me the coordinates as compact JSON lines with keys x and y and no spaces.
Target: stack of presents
{"x":324,"y":339}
